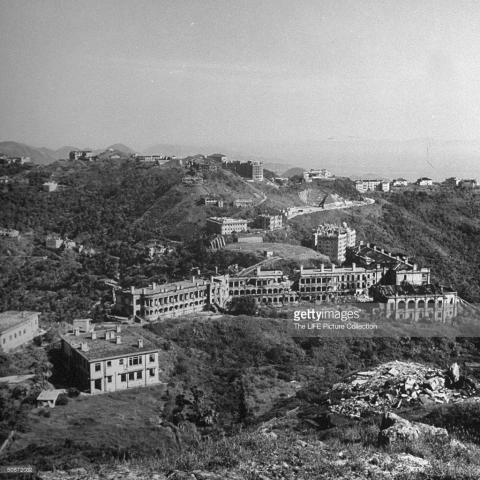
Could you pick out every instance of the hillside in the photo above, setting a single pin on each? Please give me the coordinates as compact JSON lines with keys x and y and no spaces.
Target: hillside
{"x":41,"y":156}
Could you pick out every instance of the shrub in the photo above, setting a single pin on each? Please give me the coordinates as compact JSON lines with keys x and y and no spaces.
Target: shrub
{"x":62,"y":399}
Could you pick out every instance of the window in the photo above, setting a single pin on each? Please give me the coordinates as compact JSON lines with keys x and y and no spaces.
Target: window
{"x":131,"y":376}
{"x":109,"y":363}
{"x":139,"y":375}
{"x":123,"y":377}
{"x":120,"y":362}
{"x":152,"y":372}
{"x":24,"y":332}
{"x":134,"y":360}
{"x":151,"y":357}
{"x":98,"y":367}
{"x":109,"y":379}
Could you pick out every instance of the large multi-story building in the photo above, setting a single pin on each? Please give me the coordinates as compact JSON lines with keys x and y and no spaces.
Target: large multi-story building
{"x":269,"y":222}
{"x":317,"y":174}
{"x":226,"y":225}
{"x":111,"y":359}
{"x":250,"y":170}
{"x":266,"y":286}
{"x":17,"y":328}
{"x":417,"y":302}
{"x":334,"y":283}
{"x":172,"y":299}
{"x":400,"y":269}
{"x":372,"y":185}
{"x":333,"y":240}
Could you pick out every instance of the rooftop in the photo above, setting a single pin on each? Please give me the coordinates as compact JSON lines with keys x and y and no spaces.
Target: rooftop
{"x":12,"y":318}
{"x":167,"y":287}
{"x":101,"y":347}
{"x":226,"y":219}
{"x":412,"y":290}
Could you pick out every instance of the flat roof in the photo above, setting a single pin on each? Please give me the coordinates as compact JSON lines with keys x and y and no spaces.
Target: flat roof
{"x":168,"y":287}
{"x":12,"y":318}
{"x":101,"y":348}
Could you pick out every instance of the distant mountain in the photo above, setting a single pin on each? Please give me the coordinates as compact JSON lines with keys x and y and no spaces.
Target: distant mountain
{"x":60,"y":154}
{"x":37,"y":155}
{"x":120,"y":147}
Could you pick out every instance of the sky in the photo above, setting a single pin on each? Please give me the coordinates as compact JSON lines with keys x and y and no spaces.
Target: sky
{"x":243,"y":73}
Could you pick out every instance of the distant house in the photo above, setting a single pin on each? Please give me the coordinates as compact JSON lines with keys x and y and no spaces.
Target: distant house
{"x":372,"y":185}
{"x":452,"y":181}
{"x":269,"y":222}
{"x":212,"y":200}
{"x":225,"y":225}
{"x":48,"y":398}
{"x":9,"y":232}
{"x":319,"y":174}
{"x":468,"y":183}
{"x":242,"y":202}
{"x":53,"y":242}
{"x":50,"y":186}
{"x":424,"y":182}
{"x":81,"y":155}
{"x":399,"y":182}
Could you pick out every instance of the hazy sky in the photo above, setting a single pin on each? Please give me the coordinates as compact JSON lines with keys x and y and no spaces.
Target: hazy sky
{"x":247,"y":73}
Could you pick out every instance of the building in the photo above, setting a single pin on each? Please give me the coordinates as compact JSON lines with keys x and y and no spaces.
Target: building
{"x":269,"y":222}
{"x":327,"y":284}
{"x":50,"y":186}
{"x":111,"y":359}
{"x":17,"y":328}
{"x":192,"y":180}
{"x":452,"y":181}
{"x":266,"y":286}
{"x":372,"y":185}
{"x":225,"y":225}
{"x":81,"y":155}
{"x":333,"y":240}
{"x":399,"y":268}
{"x":424,"y":182}
{"x":170,"y":299}
{"x":218,"y":157}
{"x":250,"y":170}
{"x":212,"y":200}
{"x":242,"y":202}
{"x":152,"y":159}
{"x":9,"y":232}
{"x":53,"y":242}
{"x":6,"y":160}
{"x":399,"y":182}
{"x":468,"y":183}
{"x":319,"y":174}
{"x":416,"y":303}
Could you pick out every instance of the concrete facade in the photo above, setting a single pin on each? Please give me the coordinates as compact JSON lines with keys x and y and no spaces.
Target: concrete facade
{"x":333,"y":240}
{"x":225,"y":225}
{"x":17,"y":328}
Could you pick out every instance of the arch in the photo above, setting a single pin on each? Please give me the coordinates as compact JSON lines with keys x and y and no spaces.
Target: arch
{"x":411,"y":304}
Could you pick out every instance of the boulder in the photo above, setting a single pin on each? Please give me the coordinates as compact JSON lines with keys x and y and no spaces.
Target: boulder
{"x":395,"y":429}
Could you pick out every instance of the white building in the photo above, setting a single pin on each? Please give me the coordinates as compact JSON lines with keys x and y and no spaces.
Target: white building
{"x":425,"y":182}
{"x":17,"y":328}
{"x":225,"y":225}
{"x":317,"y":174}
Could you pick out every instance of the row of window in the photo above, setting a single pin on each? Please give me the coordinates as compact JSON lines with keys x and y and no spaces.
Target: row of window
{"x":136,"y":360}
{"x":14,"y":335}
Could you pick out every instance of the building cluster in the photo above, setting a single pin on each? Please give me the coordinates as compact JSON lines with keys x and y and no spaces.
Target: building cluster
{"x":333,"y":240}
{"x":385,"y":185}
{"x":461,"y":182}
{"x":364,"y":186}
{"x":317,"y":174}
{"x":251,"y":170}
{"x":229,"y":226}
{"x":7,"y":160}
{"x":152,"y":159}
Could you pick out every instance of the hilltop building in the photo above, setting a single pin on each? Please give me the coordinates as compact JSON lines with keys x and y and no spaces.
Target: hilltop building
{"x":269,"y":222}
{"x":333,"y":240}
{"x":424,"y":182}
{"x":81,"y":155}
{"x":417,"y":302}
{"x":452,"y":181}
{"x":334,"y":283}
{"x":399,"y":182}
{"x":225,"y":225}
{"x":468,"y":183}
{"x":17,"y":328}
{"x":242,"y":202}
{"x":9,"y":232}
{"x":109,"y":360}
{"x":250,"y":170}
{"x":266,"y":286}
{"x":172,"y":299}
{"x":218,"y":157}
{"x":372,"y":185}
{"x":213,"y":200}
{"x":317,"y":174}
{"x":6,"y":160}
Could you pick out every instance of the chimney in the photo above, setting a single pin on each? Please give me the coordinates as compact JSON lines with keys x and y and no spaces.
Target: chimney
{"x":415,"y":267}
{"x":354,"y":266}
{"x":322,"y":267}
{"x":216,"y":270}
{"x":193,"y":278}
{"x":94,"y":335}
{"x":76,"y":332}
{"x":258,"y":271}
{"x":333,"y":267}
{"x":118,"y":340}
{"x":119,"y":328}
{"x":140,"y":343}
{"x":84,"y":347}
{"x":301,"y":268}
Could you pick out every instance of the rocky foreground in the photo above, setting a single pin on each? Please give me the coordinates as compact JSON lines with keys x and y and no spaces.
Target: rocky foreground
{"x":376,"y":441}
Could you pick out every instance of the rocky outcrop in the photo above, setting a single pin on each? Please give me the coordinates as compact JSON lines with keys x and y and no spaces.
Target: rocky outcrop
{"x":394,"y":429}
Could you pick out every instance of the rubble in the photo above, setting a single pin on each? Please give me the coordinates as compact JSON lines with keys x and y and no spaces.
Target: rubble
{"x":400,"y":384}
{"x":395,"y":428}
